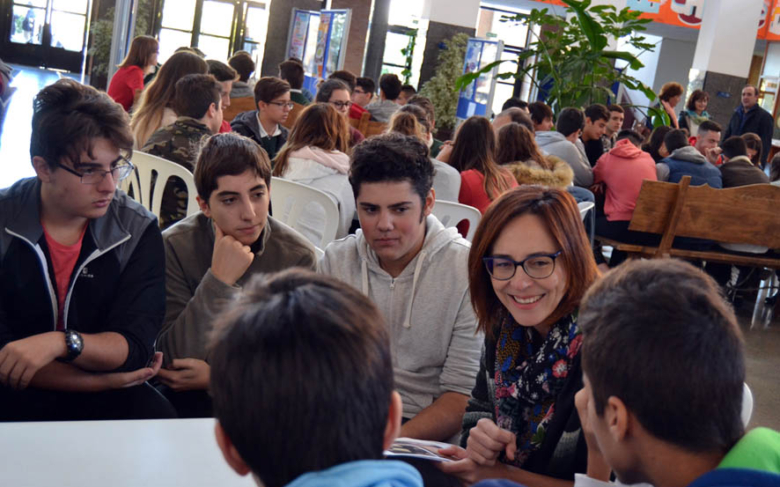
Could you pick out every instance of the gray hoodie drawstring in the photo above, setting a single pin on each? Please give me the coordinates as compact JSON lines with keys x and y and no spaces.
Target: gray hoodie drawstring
{"x":420,"y":260}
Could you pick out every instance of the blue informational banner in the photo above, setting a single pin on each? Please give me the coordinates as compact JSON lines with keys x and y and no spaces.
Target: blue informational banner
{"x":477,"y":98}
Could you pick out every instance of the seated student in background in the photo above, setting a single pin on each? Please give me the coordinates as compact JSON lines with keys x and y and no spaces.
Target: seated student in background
{"x":596,"y":119}
{"x":474,"y":156}
{"x":414,"y":270}
{"x":334,"y":430}
{"x":336,"y":93}
{"x":264,"y":125}
{"x":515,"y":102}
{"x":754,"y":148}
{"x":513,"y":115}
{"x":655,"y":424}
{"x":155,"y":107}
{"x":225,"y":76}
{"x":211,"y":255}
{"x":389,"y":90}
{"x":316,"y":155}
{"x":362,"y":94}
{"x":518,"y":152}
{"x":430,"y":113}
{"x":737,"y":168}
{"x":351,"y":81}
{"x":81,"y":271}
{"x":530,"y":265}
{"x":198,"y":100}
{"x":292,"y":72}
{"x":708,"y":140}
{"x":615,"y":124}
{"x":684,"y":160}
{"x":242,"y":62}
{"x":541,"y":116}
{"x":562,"y":142}
{"x":622,"y":171}
{"x":407,"y":91}
{"x":412,"y":120}
{"x":655,"y":144}
{"x":128,"y":81}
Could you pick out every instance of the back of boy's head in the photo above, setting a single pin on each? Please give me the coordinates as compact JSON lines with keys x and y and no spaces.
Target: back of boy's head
{"x":675,"y":139}
{"x":658,"y":336}
{"x":301,"y":376}
{"x":292,"y":72}
{"x":392,"y":157}
{"x":734,"y":146}
{"x":517,"y":115}
{"x":194,"y":95}
{"x":597,"y":112}
{"x":229,"y":154}
{"x":540,"y":111}
{"x":409,"y":90}
{"x":514,"y":103}
{"x":390,"y":86}
{"x":426,"y":104}
{"x":345,"y":76}
{"x":570,"y":120}
{"x":69,"y":116}
{"x":244,"y":65}
{"x":221,"y":71}
{"x":631,"y":135}
{"x":268,"y":88}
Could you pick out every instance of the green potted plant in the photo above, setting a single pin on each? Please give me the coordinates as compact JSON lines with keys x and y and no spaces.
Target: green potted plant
{"x":441,"y":88}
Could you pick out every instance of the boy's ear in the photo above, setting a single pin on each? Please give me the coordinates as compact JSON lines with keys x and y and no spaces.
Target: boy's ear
{"x":204,"y":206}
{"x":229,"y":452}
{"x":393,"y":428}
{"x":618,"y":418}
{"x":42,"y":169}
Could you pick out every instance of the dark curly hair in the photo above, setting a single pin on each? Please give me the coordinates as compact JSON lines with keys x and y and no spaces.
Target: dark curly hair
{"x":392,"y":157}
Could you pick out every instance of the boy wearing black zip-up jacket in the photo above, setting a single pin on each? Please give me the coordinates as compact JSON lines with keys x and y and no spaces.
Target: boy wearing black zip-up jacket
{"x":82,"y":286}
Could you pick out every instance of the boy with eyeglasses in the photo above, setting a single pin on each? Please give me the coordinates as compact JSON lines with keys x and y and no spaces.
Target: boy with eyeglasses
{"x":82,"y":271}
{"x":415,"y":271}
{"x":264,"y":125}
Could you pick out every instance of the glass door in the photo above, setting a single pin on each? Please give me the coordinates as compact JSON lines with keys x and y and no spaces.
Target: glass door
{"x":216,"y":29}
{"x":49,"y":33}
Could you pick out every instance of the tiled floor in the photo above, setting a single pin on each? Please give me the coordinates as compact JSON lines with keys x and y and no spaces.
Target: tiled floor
{"x":762,"y":343}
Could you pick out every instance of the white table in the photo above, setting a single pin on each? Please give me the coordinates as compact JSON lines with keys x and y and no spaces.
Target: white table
{"x":173,"y":452}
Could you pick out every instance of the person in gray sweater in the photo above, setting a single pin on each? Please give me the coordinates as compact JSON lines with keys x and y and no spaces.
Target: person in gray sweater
{"x":210,"y":255}
{"x":562,"y":143}
{"x":415,"y":271}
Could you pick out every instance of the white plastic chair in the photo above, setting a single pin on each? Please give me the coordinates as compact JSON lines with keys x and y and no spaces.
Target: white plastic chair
{"x":585,"y":207}
{"x":450,"y":214}
{"x":150,"y":196}
{"x":301,"y":195}
{"x":747,"y":405}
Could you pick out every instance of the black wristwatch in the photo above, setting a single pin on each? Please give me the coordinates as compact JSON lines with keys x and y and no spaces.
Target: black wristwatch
{"x":74,"y":344}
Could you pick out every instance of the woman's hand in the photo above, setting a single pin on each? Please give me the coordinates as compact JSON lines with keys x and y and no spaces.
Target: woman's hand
{"x":487,"y":441}
{"x":670,"y":110}
{"x":465,"y":468}
{"x":445,"y":152}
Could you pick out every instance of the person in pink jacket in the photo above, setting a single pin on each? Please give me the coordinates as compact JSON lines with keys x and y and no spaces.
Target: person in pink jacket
{"x":621,"y":171}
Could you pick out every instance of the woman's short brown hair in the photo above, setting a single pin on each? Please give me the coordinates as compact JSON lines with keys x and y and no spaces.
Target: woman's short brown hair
{"x":696,"y":96}
{"x":670,"y":90}
{"x":560,"y":214}
{"x":229,"y":154}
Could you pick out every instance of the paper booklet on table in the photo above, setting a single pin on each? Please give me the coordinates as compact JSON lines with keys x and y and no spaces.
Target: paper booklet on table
{"x":409,"y":447}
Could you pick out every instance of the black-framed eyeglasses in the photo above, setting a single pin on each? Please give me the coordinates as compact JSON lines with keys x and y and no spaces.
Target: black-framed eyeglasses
{"x":341,"y":104}
{"x":283,"y":104}
{"x":503,"y":268}
{"x":95,"y":176}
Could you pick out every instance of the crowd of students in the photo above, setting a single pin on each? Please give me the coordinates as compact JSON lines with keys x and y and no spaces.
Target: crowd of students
{"x":512,"y":347}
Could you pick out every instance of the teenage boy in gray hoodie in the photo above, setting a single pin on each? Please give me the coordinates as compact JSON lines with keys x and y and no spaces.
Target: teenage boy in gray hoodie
{"x":212,"y":254}
{"x":686,"y":160}
{"x":563,"y":143}
{"x":416,"y":272}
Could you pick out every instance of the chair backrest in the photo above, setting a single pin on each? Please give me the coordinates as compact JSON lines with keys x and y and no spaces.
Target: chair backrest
{"x":747,"y":405}
{"x":362,"y":123}
{"x":293,"y":115}
{"x":282,"y":191}
{"x":585,"y":207}
{"x":746,"y":214}
{"x":375,"y":128}
{"x":151,"y":175}
{"x":239,"y":105}
{"x":450,"y":214}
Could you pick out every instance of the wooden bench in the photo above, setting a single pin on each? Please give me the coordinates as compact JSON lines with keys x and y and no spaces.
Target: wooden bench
{"x":743,"y":215}
{"x":366,"y":126}
{"x":293,"y":115}
{"x":238,"y":105}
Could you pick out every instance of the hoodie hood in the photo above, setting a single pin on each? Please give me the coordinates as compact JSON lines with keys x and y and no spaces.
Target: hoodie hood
{"x":626,"y":150}
{"x":688,"y":154}
{"x":436,"y":238}
{"x":364,"y":473}
{"x":529,"y":172}
{"x":335,"y":160}
{"x":248,"y":120}
{"x":548,"y":137}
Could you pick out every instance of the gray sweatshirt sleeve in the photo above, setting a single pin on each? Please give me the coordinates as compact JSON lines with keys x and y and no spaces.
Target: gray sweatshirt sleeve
{"x":583,"y":172}
{"x":189,"y":316}
{"x":662,"y":171}
{"x":460,"y":368}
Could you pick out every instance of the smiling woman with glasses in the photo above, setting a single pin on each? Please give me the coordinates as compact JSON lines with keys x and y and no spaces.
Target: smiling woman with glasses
{"x":529,"y":266}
